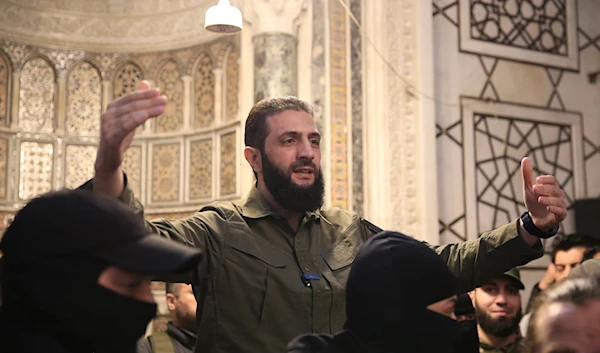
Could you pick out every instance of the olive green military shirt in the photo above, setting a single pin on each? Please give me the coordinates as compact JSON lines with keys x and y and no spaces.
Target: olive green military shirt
{"x":518,"y":346}
{"x":250,"y":293}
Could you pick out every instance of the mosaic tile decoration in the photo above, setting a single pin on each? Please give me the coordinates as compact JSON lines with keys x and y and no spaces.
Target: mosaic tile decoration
{"x":36,"y":97}
{"x":3,"y":89}
{"x":79,"y":164}
{"x":171,"y":85}
{"x":165,"y":172}
{"x":232,"y":72}
{"x":3,"y":168}
{"x":228,"y":166}
{"x":35,"y":169}
{"x":204,"y":91}
{"x":84,"y":99}
{"x":126,"y":79}
{"x":132,"y":166}
{"x":201,"y":169}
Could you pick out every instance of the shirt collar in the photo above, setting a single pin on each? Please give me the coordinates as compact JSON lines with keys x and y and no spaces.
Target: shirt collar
{"x":255,"y":206}
{"x":185,"y":337}
{"x":488,"y":347}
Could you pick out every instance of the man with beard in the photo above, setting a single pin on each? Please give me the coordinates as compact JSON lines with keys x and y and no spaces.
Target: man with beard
{"x":498,"y":311}
{"x":180,"y":336}
{"x":277,"y":264}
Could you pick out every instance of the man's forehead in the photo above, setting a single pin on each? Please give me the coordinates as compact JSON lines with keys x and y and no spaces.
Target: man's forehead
{"x":291,"y":120}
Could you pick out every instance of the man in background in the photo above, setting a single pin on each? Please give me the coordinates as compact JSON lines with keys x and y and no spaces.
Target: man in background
{"x":180,"y":336}
{"x":498,"y":311}
{"x":568,"y":252}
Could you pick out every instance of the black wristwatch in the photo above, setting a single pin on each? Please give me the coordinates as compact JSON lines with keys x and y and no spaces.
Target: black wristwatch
{"x":533,"y":230}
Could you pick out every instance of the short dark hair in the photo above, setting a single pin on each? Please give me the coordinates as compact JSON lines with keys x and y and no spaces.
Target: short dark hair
{"x":170,"y":288}
{"x":591,"y":252}
{"x":567,"y":242}
{"x":577,"y":291}
{"x":256,"y":130}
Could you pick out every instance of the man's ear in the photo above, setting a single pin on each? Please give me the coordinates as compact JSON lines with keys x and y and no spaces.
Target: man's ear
{"x":472,"y":296}
{"x":254,"y":158}
{"x":170,"y":298}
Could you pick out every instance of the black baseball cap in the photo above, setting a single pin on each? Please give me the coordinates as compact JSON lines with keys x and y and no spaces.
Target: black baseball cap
{"x":78,"y":222}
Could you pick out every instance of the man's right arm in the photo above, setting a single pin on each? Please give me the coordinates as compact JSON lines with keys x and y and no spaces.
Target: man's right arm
{"x":117,"y":128}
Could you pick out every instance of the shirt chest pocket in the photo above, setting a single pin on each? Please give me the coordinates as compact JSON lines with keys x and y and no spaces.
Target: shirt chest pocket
{"x":253,"y":285}
{"x":341,"y":256}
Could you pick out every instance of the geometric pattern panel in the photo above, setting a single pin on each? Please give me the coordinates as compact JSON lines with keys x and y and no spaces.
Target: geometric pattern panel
{"x":79,"y":165}
{"x":36,"y":97}
{"x":231,"y":89}
{"x":533,"y":25}
{"x":501,"y":143}
{"x":535,"y":31}
{"x":35,"y":169}
{"x":126,"y":79}
{"x":165,"y":172}
{"x":201,"y":169}
{"x":204,"y":102}
{"x":3,"y":167}
{"x":339,"y":104}
{"x":3,"y":90}
{"x":228,"y":170}
{"x":84,"y":92}
{"x":169,"y":80}
{"x":132,"y":165}
{"x":496,"y":137}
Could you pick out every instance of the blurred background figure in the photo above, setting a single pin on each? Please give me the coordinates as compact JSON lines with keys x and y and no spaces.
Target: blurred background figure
{"x":498,"y":311}
{"x":180,"y":336}
{"x":566,"y":318}
{"x":568,"y":252}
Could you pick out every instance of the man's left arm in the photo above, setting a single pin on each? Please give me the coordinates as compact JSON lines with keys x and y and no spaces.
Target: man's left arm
{"x":495,"y":252}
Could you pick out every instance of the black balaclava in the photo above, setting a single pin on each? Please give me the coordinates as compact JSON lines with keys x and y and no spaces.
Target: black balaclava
{"x":62,"y":301}
{"x":392,"y":281}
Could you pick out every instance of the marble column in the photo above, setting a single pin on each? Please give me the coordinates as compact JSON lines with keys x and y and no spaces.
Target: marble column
{"x":274,"y":29}
{"x":275,"y":65}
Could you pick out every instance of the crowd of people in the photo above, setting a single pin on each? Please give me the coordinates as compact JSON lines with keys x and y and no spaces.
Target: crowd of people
{"x":278,"y":272}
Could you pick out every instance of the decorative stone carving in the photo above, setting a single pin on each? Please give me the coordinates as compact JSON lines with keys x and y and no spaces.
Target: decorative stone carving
{"x":277,"y":16}
{"x":201,"y":169}
{"x":104,"y":25}
{"x":36,"y":97}
{"x":35,"y":169}
{"x":79,"y":164}
{"x":84,"y":96}
{"x":228,"y":164}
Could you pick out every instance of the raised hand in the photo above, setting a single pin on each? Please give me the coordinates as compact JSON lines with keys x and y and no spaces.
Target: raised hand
{"x":117,"y":128}
{"x":544,"y":198}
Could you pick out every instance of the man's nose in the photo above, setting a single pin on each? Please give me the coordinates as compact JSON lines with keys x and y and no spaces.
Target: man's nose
{"x":306,"y":150}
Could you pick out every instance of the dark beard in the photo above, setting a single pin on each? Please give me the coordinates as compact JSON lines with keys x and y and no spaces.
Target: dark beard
{"x":500,"y":327}
{"x":290,"y":196}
